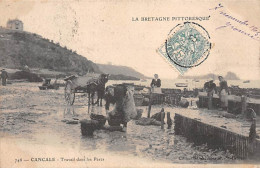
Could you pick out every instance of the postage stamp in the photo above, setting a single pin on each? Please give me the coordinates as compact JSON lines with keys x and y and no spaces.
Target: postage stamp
{"x":187,"y":45}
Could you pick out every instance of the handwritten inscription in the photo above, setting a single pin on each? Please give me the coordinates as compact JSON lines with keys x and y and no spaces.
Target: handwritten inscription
{"x":234,"y":28}
{"x":235,"y":24}
{"x":217,"y":7}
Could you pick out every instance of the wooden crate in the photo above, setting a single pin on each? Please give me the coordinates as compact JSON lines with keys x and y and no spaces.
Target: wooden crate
{"x":157,"y":99}
{"x":234,"y":107}
{"x":138,"y":98}
{"x":170,"y":91}
{"x":173,"y":99}
{"x":203,"y":102}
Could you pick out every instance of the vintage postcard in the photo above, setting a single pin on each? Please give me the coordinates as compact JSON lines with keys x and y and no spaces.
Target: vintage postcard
{"x":129,"y":83}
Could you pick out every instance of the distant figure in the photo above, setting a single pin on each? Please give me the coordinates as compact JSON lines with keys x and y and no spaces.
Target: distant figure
{"x":56,"y":79}
{"x":4,"y":77}
{"x":252,"y":116}
{"x":156,"y":85}
{"x":211,"y":88}
{"x":223,"y":93}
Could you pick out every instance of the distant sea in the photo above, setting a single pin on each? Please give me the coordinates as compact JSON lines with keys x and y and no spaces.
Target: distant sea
{"x":170,"y":83}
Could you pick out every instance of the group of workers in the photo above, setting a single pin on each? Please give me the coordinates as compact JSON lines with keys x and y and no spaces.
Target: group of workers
{"x":211,"y":89}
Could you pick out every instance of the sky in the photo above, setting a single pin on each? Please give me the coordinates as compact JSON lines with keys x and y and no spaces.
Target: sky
{"x":103,"y":31}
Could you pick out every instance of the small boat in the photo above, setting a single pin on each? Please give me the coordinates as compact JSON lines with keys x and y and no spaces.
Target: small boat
{"x":181,"y":84}
{"x":143,"y":80}
{"x":234,"y":86}
{"x":246,"y":81}
{"x":196,"y":80}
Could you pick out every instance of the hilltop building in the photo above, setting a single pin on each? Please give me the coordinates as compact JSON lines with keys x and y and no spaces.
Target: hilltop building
{"x":15,"y":24}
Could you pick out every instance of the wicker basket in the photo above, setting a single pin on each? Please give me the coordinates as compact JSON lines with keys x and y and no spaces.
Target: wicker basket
{"x":88,"y":127}
{"x":115,"y":120}
{"x":100,"y":118}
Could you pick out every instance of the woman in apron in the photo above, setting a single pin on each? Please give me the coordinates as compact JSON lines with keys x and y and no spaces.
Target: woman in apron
{"x":156,"y":85}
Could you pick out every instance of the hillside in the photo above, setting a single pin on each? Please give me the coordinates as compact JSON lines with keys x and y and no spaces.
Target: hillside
{"x":120,"y":70}
{"x":18,"y":48}
{"x":229,"y":76}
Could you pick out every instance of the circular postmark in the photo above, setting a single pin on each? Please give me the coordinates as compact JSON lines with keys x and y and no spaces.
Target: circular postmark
{"x":188,"y":45}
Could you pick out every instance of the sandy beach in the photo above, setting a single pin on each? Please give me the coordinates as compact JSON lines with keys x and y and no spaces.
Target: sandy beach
{"x":36,"y":120}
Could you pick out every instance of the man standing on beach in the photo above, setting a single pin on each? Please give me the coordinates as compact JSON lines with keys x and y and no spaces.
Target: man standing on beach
{"x":223,"y":93}
{"x":210,"y":87}
{"x":4,"y":77}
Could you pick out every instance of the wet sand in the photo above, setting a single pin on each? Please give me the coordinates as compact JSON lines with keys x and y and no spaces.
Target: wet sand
{"x":36,"y":119}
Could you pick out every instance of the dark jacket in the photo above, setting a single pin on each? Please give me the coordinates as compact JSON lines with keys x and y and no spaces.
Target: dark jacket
{"x":4,"y":75}
{"x":156,"y":83}
{"x":208,"y":86}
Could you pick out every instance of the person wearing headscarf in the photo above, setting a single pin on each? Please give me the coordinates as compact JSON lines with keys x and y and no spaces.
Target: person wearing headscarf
{"x":124,"y":109}
{"x":223,"y":92}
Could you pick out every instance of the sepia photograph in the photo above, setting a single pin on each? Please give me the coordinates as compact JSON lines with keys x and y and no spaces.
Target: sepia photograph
{"x":129,"y":84}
